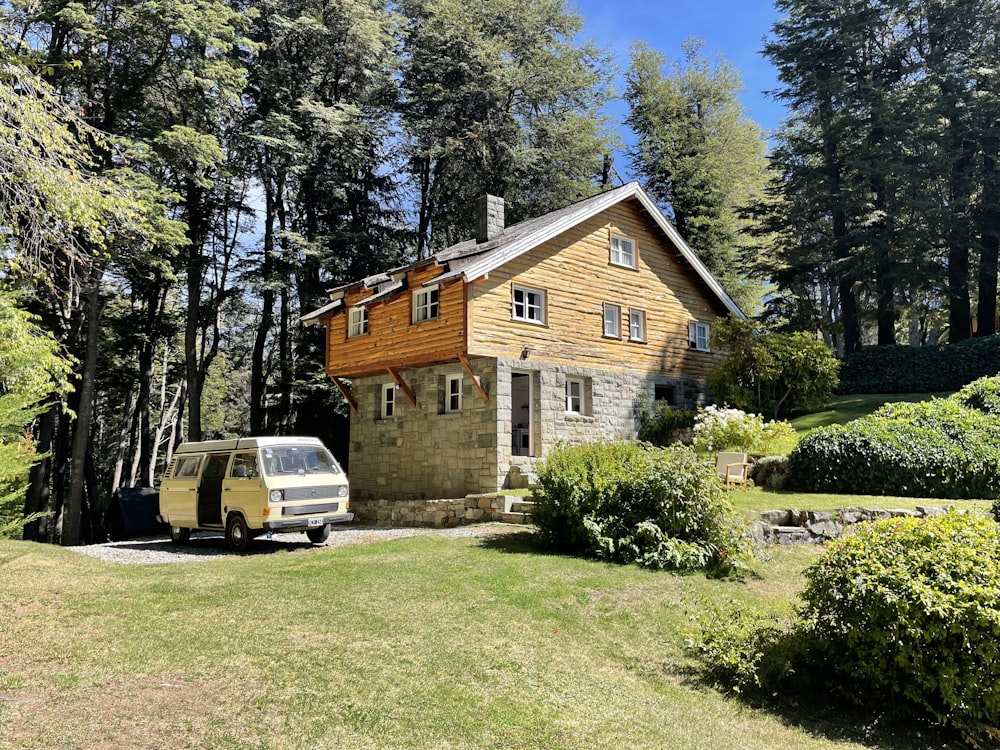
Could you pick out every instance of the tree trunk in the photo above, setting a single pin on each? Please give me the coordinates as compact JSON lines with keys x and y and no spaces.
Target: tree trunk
{"x":36,"y":499}
{"x":81,"y":438}
{"x":989,"y":238}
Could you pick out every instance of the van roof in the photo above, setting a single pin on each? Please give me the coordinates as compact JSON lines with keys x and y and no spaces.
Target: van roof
{"x":245,"y":443}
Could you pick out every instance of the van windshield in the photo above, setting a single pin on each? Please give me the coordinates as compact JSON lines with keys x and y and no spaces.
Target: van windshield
{"x":300,"y":459}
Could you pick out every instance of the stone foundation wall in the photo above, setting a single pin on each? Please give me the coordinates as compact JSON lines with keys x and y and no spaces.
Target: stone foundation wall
{"x":437,"y":514}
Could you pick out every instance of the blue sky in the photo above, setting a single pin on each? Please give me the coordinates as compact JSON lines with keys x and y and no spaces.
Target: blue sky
{"x":733,"y":28}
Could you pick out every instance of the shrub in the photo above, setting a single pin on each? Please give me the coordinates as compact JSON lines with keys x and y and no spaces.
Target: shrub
{"x":659,"y":424}
{"x":773,"y":373}
{"x":634,"y":503}
{"x":719,"y":429}
{"x":910,"y":609}
{"x":919,"y":369}
{"x":982,"y":395}
{"x":934,"y":448}
{"x":770,"y":472}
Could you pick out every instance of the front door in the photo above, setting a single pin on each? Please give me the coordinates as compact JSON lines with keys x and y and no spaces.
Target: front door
{"x":210,"y":490}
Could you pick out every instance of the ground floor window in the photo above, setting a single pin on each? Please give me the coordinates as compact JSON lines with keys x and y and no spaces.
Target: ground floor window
{"x":453,"y":393}
{"x":574,"y":396}
{"x":388,"y":400}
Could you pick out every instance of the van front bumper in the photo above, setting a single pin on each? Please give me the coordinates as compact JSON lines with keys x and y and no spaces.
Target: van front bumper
{"x":302,"y":524}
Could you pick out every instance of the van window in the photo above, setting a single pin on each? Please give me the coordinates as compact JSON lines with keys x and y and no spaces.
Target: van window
{"x":244,"y":466}
{"x":298,"y":460}
{"x":187,"y":466}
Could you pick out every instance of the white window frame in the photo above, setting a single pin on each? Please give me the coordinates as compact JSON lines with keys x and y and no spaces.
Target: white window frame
{"x":612,"y":315}
{"x":636,"y":332}
{"x":357,"y":322}
{"x":453,"y":393}
{"x":624,"y":251}
{"x":426,"y":304}
{"x":532,"y":311}
{"x":388,"y":407}
{"x":574,"y":401}
{"x":698,"y":336}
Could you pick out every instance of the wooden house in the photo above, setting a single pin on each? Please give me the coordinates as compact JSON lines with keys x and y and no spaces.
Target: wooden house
{"x":462,"y":370}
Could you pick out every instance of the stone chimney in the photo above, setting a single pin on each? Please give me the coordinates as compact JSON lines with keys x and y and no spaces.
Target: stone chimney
{"x":489,"y":218}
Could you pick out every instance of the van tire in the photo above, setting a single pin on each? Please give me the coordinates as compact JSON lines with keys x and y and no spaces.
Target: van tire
{"x":238,"y":534}
{"x":179,"y":535}
{"x":319,"y":534}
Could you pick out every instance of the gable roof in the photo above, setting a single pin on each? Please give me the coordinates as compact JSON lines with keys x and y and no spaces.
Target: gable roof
{"x":471,"y":260}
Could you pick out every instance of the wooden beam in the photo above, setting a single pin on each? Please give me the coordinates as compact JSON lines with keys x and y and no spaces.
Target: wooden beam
{"x":348,"y":397}
{"x":475,"y":378}
{"x":402,"y":384}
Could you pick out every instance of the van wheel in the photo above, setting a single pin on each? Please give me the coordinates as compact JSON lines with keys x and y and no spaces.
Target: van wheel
{"x":179,"y":535}
{"x":319,"y":534}
{"x":237,"y":534}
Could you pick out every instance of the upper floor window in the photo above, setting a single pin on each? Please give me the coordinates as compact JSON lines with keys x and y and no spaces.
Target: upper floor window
{"x":388,"y":400}
{"x":529,"y":305}
{"x":453,"y":393}
{"x":612,"y":320}
{"x":574,"y":396}
{"x":425,"y":304}
{"x":637,"y":325}
{"x":698,"y":335}
{"x":623,"y":251}
{"x":357,"y":321}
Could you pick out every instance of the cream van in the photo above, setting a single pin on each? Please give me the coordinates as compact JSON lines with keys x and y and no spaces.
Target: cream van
{"x":250,"y":486}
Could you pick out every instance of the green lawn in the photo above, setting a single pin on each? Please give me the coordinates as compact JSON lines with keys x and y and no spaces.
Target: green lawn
{"x":845,"y":408}
{"x":426,"y":642}
{"x":756,"y":498}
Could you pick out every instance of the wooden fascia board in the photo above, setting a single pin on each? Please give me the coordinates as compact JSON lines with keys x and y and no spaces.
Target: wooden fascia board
{"x":475,"y":378}
{"x":403,"y":386}
{"x":345,"y":392}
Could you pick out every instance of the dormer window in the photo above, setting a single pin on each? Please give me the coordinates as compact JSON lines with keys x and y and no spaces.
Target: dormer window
{"x":623,"y":251}
{"x":425,"y":304}
{"x":357,"y":322}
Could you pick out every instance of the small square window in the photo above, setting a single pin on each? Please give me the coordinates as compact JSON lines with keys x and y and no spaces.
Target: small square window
{"x":453,"y":394}
{"x":663,"y":392}
{"x":357,"y":322}
{"x":698,"y":335}
{"x":388,"y":400}
{"x":574,"y":396}
{"x":637,"y":325}
{"x":612,"y":320}
{"x":425,"y":304}
{"x":528,"y":305}
{"x":623,"y":251}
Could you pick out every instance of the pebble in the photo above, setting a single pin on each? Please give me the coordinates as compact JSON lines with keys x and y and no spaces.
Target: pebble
{"x":209,"y":545}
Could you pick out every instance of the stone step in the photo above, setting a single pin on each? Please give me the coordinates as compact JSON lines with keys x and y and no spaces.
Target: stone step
{"x":524,"y":506}
{"x":516,"y":517}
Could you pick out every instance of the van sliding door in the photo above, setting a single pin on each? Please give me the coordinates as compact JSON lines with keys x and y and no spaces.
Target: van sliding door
{"x":210,"y":490}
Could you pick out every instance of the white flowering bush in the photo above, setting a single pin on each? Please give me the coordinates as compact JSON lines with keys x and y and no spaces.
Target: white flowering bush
{"x":724,"y":429}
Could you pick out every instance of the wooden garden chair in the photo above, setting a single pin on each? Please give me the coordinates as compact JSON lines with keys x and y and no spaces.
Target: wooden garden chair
{"x":733,"y":468}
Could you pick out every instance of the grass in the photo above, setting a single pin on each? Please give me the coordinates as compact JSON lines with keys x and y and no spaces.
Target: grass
{"x":845,"y":408}
{"x":426,"y":642}
{"x":757,"y":498}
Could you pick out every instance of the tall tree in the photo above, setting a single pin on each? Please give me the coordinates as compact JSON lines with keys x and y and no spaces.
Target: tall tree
{"x":699,"y":156}
{"x":498,"y":98}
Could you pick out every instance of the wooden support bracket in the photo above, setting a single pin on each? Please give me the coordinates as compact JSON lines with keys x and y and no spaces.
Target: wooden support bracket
{"x":475,"y":378}
{"x":403,"y":386}
{"x":345,"y":392}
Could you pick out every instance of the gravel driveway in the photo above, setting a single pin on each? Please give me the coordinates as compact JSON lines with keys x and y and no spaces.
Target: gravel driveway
{"x":208,"y":546}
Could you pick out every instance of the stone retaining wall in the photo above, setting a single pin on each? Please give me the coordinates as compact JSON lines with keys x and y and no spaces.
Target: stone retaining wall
{"x":815,"y":527}
{"x":437,"y":514}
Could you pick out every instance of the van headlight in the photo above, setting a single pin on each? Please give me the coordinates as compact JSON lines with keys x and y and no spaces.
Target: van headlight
{"x":276,"y":496}
{"x":342,"y":491}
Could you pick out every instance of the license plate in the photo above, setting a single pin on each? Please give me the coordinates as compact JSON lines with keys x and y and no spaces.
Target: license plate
{"x":314,"y":522}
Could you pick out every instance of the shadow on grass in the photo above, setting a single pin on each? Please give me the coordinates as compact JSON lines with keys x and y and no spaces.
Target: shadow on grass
{"x":209,"y":544}
{"x":514,"y":543}
{"x":825,"y":711}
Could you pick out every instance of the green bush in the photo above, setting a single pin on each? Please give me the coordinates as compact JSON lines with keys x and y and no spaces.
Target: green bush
{"x":634,"y":503}
{"x":919,"y":369}
{"x":982,"y":395}
{"x":660,"y":423}
{"x":910,"y":609}
{"x":936,"y":448}
{"x":770,"y":472}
